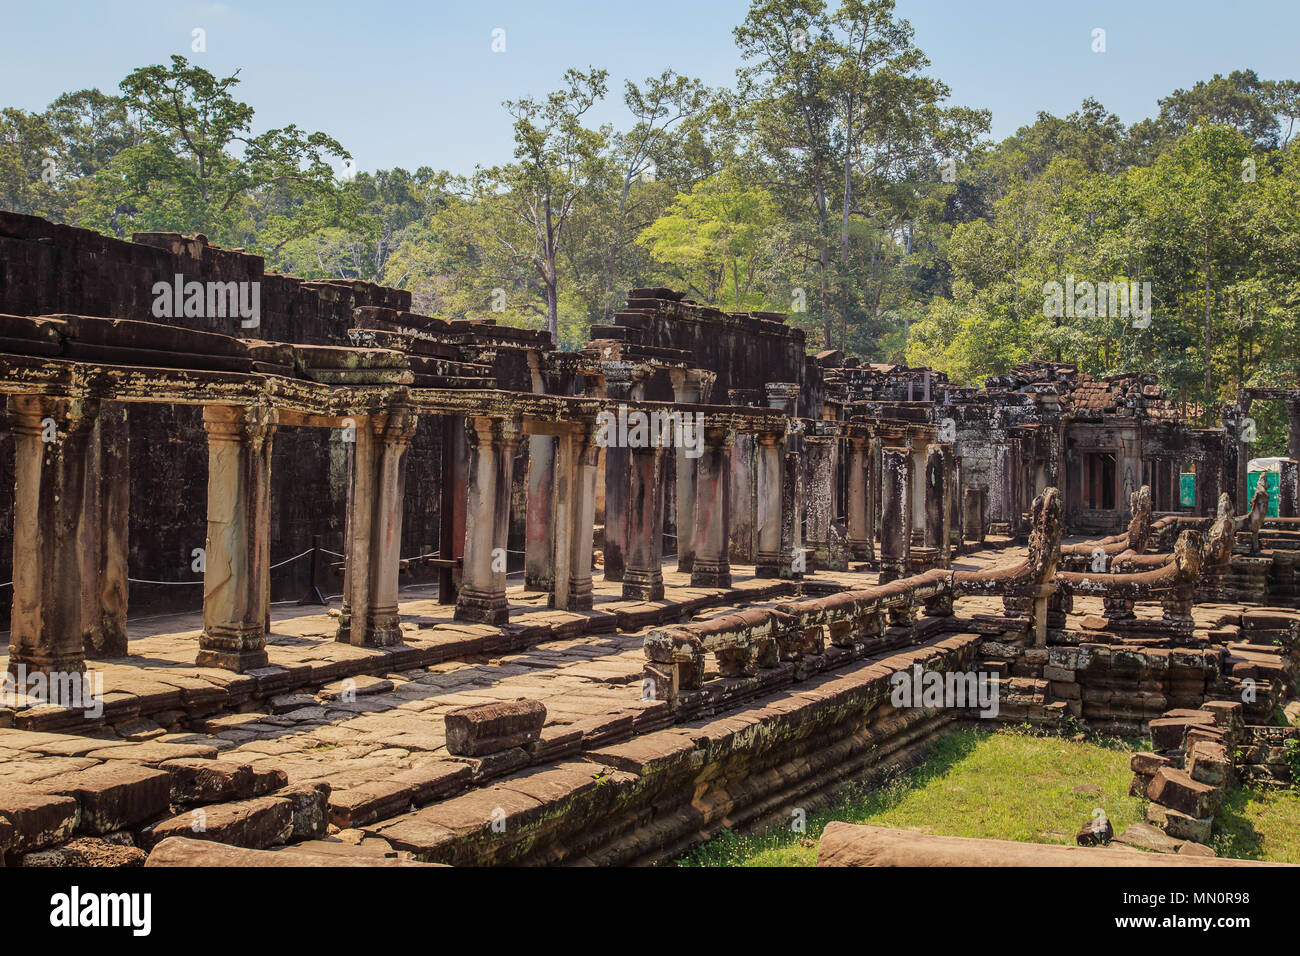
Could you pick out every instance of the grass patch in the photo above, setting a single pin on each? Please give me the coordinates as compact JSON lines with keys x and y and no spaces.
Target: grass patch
{"x":1259,"y":825}
{"x":1003,"y":785}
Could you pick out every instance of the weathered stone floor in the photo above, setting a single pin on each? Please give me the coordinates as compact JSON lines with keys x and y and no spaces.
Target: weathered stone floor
{"x":364,"y":721}
{"x":370,"y":722}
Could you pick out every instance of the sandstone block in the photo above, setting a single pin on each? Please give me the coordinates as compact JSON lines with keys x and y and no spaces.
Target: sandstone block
{"x":256,"y":824}
{"x":1209,"y":763}
{"x":30,"y":819}
{"x":115,"y":795}
{"x":488,"y":728}
{"x":1175,"y":790}
{"x":208,"y":781}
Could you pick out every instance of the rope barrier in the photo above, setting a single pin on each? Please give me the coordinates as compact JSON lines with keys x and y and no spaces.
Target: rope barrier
{"x":279,"y":564}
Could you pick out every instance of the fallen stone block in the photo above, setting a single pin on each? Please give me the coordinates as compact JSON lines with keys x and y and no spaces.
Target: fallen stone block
{"x":1174,"y":789}
{"x":846,"y":844}
{"x":256,"y":824}
{"x":311,"y":815}
{"x":87,"y":851}
{"x":1209,"y":763}
{"x":1143,"y":836}
{"x":488,"y":728}
{"x":30,"y":820}
{"x":186,"y":851}
{"x":208,"y":781}
{"x":1148,"y":763}
{"x":1179,"y":825}
{"x":114,"y":795}
{"x":1167,"y":732}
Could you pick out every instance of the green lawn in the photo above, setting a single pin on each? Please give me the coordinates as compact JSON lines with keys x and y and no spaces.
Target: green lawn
{"x":1004,"y":785}
{"x":1259,"y":825}
{"x":1008,"y":785}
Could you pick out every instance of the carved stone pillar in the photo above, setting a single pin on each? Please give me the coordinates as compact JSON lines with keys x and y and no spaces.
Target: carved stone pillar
{"x":237,"y":569}
{"x":539,"y":540}
{"x":624,"y":382}
{"x":792,"y":549}
{"x":917,"y":507}
{"x":47,"y":631}
{"x":482,"y":596}
{"x":689,"y":388}
{"x":859,"y":491}
{"x":896,"y":507}
{"x":712,"y":565}
{"x":819,"y":498}
{"x":936,"y":502}
{"x":954,"y":504}
{"x":575,"y":509}
{"x":643,"y":577}
{"x":105,"y":533}
{"x":744,"y":498}
{"x":377,"y":487}
{"x":1293,"y":429}
{"x":1288,"y":489}
{"x":769,"y":558}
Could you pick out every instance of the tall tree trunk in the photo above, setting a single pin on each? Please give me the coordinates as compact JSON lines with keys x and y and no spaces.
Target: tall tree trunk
{"x":1209,"y":379}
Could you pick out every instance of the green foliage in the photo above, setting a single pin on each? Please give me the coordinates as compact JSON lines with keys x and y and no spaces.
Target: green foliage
{"x":833,"y":180}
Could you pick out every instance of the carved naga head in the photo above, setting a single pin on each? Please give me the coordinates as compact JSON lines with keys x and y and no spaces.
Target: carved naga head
{"x":1189,"y":554}
{"x":1139,"y":526}
{"x":1045,"y":537}
{"x":1223,"y":533}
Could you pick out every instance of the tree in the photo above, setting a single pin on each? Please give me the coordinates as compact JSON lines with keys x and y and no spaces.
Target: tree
{"x":712,"y":239}
{"x":557,"y":160}
{"x":197,"y":163}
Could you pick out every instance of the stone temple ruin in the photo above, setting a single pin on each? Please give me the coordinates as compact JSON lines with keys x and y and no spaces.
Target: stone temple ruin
{"x":595,"y":606}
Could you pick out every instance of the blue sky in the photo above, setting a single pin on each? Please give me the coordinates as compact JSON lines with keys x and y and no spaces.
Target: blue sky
{"x":417,"y":83}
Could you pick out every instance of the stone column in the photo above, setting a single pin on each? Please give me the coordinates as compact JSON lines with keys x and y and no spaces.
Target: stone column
{"x":374,"y":529}
{"x":820,"y":497}
{"x":917,"y":476}
{"x":47,"y":631}
{"x":623,"y":382}
{"x":744,"y":511}
{"x":936,"y":501}
{"x":972,"y":517}
{"x":482,"y":596}
{"x":539,"y":541}
{"x":895,"y":517}
{"x":453,"y":494}
{"x":237,"y":569}
{"x":643,"y":577}
{"x":954,"y":503}
{"x":105,"y":533}
{"x":1288,"y":489}
{"x":768,"y":557}
{"x":859,"y":490}
{"x":712,"y":564}
{"x":689,"y":386}
{"x":792,"y":549}
{"x":575,"y":512}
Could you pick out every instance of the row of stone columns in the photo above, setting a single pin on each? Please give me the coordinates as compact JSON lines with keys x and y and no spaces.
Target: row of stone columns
{"x":70,"y":519}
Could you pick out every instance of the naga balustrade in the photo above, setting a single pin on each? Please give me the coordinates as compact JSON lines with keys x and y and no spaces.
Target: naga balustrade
{"x":1095,"y":555}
